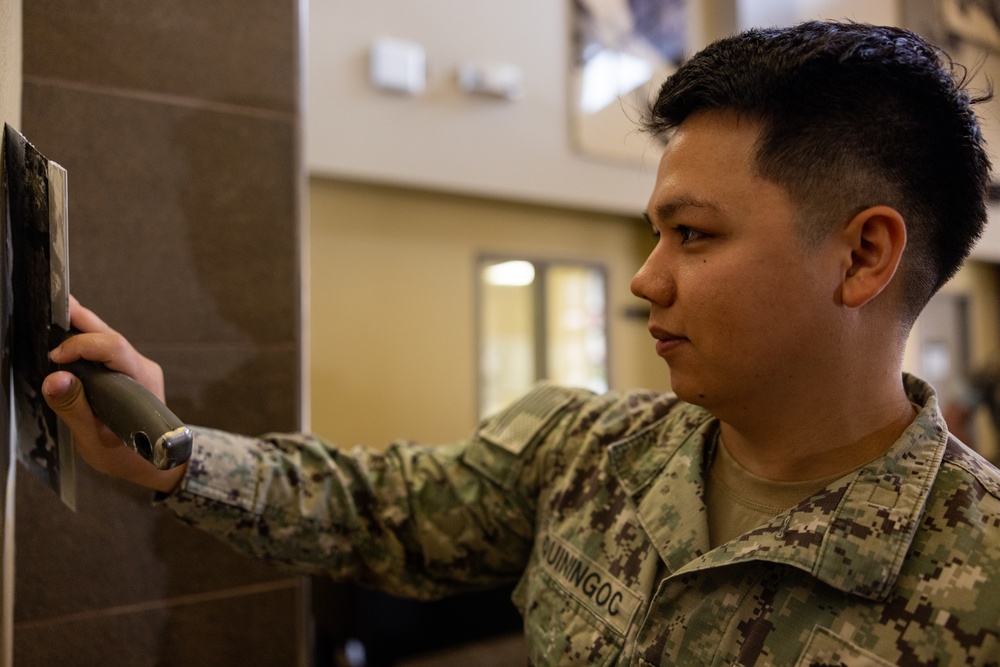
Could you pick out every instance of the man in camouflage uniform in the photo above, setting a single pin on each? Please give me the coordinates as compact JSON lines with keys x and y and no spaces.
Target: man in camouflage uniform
{"x":798,"y":502}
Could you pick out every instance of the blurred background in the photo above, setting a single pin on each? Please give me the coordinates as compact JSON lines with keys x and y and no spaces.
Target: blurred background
{"x":373,"y":220}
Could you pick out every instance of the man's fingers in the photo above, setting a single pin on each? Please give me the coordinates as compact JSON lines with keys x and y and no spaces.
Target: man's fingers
{"x":106,"y":348}
{"x":85,"y":319}
{"x":115,"y":352}
{"x":104,"y":345}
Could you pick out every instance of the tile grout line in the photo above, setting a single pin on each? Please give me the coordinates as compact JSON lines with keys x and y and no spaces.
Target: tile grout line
{"x":180,"y":601}
{"x":163,"y":98}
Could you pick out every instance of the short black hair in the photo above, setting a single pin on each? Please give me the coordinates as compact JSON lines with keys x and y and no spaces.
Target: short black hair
{"x":852,"y":116}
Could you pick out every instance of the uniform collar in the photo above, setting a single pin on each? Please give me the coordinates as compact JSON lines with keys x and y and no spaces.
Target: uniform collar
{"x":852,"y":535}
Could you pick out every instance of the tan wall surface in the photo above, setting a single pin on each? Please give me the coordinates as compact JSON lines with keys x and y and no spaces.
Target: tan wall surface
{"x":10,"y":61}
{"x":980,"y":283}
{"x":393,"y":349}
{"x":10,"y":111}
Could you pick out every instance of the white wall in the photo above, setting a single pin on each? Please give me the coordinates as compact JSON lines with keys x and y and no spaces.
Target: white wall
{"x":446,"y":139}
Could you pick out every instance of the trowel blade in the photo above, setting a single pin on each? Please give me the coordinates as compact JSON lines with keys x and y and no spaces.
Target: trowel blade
{"x":39,"y":314}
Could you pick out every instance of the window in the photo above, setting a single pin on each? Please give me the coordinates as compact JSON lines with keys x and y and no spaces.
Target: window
{"x":540,"y":320}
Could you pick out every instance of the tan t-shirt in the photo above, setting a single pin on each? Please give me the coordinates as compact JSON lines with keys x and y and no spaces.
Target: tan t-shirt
{"x":738,"y":500}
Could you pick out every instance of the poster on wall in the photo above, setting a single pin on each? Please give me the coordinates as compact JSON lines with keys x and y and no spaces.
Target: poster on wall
{"x":969,"y":31}
{"x":622,"y":51}
{"x":975,"y":22}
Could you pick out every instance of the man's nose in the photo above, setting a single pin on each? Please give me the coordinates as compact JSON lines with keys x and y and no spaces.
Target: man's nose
{"x":654,"y":281}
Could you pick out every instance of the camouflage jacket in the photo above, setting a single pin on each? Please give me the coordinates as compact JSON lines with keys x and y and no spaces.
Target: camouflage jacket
{"x":595,"y":505}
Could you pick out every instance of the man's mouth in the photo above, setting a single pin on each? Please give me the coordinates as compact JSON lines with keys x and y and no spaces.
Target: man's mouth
{"x":666,"y":341}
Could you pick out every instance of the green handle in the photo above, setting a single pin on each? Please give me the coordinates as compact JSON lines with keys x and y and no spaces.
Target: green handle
{"x":134,"y":414}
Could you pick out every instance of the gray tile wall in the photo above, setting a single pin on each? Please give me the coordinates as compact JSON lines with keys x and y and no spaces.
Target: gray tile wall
{"x":178,"y":122}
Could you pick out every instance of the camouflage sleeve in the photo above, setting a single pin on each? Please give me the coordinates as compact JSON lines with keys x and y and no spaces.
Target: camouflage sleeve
{"x":416,"y":521}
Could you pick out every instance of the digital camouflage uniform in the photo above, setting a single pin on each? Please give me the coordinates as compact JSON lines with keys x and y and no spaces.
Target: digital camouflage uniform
{"x":595,"y":504}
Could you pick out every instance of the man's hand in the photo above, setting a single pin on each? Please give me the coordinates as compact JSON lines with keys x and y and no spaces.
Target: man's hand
{"x":63,"y":391}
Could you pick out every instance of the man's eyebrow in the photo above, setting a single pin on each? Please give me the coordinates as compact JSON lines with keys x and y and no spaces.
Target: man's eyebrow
{"x":669,"y":208}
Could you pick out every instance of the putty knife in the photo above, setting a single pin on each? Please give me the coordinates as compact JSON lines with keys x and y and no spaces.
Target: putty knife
{"x":38,"y":254}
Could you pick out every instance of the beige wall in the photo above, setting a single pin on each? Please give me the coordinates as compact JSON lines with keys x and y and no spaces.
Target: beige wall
{"x":393,"y":347}
{"x":979,"y":282}
{"x":10,"y":62}
{"x":393,"y":350}
{"x":10,"y":112}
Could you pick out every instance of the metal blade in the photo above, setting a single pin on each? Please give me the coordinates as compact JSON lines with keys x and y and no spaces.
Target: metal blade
{"x":33,"y":322}
{"x":59,"y":303}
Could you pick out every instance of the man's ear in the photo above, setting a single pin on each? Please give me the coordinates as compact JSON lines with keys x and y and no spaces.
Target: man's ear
{"x":875,"y":239}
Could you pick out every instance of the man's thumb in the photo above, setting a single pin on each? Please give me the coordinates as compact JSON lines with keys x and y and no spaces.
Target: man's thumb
{"x":64,"y":394}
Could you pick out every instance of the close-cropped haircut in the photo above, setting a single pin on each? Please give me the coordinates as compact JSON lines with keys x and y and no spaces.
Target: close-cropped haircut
{"x":852,"y":116}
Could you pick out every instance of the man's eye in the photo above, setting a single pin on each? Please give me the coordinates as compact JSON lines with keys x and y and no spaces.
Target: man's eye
{"x":687,"y":235}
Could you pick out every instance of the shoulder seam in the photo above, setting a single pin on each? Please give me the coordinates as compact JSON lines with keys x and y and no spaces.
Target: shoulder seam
{"x":961,"y":456}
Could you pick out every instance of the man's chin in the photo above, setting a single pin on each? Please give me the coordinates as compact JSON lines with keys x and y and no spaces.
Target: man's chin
{"x":690,"y":390}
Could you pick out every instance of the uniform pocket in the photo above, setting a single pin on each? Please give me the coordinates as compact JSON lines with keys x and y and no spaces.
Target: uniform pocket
{"x":826,"y":649}
{"x":561,"y":631}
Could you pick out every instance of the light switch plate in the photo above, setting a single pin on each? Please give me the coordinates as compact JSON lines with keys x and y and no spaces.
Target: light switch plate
{"x":398,"y":65}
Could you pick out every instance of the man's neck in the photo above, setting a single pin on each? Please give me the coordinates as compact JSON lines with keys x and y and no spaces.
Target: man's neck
{"x":815,"y":437}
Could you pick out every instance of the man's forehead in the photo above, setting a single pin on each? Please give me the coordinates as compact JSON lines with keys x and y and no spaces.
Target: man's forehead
{"x":706,"y":156}
{"x":668,"y":207}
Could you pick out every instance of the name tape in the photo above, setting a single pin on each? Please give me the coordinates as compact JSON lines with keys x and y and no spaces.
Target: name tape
{"x":589,"y":584}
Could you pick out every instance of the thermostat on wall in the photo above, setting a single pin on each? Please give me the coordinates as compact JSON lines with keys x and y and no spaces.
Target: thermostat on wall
{"x":496,"y":79}
{"x":398,"y":64}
